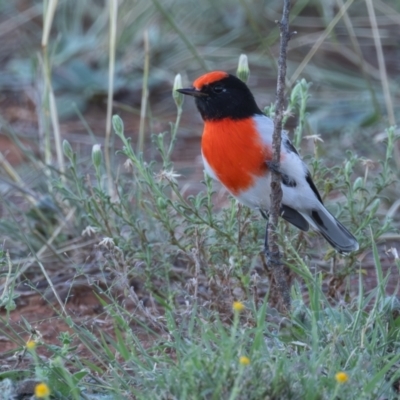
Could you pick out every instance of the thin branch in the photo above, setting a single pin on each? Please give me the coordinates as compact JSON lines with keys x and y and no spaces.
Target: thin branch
{"x":281,"y":283}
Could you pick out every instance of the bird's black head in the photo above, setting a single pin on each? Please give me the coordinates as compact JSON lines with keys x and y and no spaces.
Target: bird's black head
{"x":220,"y":95}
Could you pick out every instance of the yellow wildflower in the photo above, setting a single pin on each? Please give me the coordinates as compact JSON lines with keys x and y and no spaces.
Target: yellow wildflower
{"x":42,"y":391}
{"x":30,"y":345}
{"x":341,"y":377}
{"x":243,"y":360}
{"x":238,"y":306}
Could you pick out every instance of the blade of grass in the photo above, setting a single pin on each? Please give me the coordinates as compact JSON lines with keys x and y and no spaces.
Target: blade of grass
{"x":382,"y":70}
{"x":56,"y":132}
{"x":380,"y":375}
{"x":48,"y":16}
{"x":13,"y":174}
{"x":85,"y":124}
{"x":184,"y":38}
{"x":378,"y":268}
{"x":145,"y":91}
{"x":55,"y":234}
{"x":361,"y":61}
{"x":49,"y":94}
{"x":389,"y":11}
{"x":21,"y":18}
{"x":113,"y":7}
{"x":318,"y":43}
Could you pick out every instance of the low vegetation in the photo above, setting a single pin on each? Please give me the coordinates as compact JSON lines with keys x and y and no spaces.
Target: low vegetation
{"x":180,"y":281}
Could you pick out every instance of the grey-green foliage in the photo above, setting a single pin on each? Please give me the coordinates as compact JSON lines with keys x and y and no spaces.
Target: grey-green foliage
{"x":195,"y":346}
{"x":154,"y":224}
{"x":298,"y":359}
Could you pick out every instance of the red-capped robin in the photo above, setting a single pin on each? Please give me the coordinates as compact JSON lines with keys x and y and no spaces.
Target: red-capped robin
{"x":237,"y":151}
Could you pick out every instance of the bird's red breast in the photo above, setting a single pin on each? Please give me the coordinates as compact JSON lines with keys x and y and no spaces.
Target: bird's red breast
{"x":235,"y":152}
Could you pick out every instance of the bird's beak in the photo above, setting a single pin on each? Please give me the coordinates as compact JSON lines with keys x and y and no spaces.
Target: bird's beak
{"x":192,"y":92}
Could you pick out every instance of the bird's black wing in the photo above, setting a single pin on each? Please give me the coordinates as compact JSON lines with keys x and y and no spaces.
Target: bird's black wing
{"x":286,"y":180}
{"x":294,"y":217}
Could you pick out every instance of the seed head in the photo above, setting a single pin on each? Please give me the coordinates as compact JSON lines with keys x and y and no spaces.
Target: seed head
{"x":177,"y":96}
{"x":243,"y":71}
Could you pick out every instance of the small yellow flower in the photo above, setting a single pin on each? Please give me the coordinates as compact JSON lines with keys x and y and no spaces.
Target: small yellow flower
{"x":238,"y":306}
{"x":243,"y":360}
{"x":341,"y":377}
{"x":30,"y":345}
{"x":42,"y":391}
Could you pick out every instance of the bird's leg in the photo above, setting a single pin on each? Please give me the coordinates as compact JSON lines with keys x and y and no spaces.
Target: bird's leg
{"x":270,"y":260}
{"x":266,"y":251}
{"x":273,"y":166}
{"x":264,"y":214}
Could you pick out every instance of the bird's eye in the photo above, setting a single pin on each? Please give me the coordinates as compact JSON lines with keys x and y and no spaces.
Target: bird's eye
{"x":218,"y":89}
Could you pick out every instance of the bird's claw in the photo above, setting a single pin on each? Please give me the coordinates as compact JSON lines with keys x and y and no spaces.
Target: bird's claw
{"x":274,"y":166}
{"x":272,"y":260}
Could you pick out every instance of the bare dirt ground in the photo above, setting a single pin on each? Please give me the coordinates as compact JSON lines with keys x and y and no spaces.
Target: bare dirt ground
{"x":83,"y":306}
{"x":85,"y":309}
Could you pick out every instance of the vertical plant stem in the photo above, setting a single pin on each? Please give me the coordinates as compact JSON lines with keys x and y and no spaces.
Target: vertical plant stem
{"x":49,"y":94}
{"x":281,"y":281}
{"x":56,"y":132}
{"x":145,"y":91}
{"x":113,"y":6}
{"x":174,"y":131}
{"x":381,"y":62}
{"x":49,"y":107}
{"x":45,"y":108}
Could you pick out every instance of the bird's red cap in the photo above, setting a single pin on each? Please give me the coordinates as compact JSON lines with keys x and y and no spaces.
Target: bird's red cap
{"x":208,"y":78}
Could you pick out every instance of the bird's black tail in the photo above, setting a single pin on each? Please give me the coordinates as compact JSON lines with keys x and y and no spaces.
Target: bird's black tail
{"x":332,"y":230}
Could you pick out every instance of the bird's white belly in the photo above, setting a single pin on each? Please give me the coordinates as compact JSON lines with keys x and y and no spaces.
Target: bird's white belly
{"x":208,"y":169}
{"x":300,"y":198}
{"x":259,"y":195}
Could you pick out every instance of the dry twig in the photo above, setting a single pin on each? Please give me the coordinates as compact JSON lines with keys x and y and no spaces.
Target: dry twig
{"x":280,"y":286}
